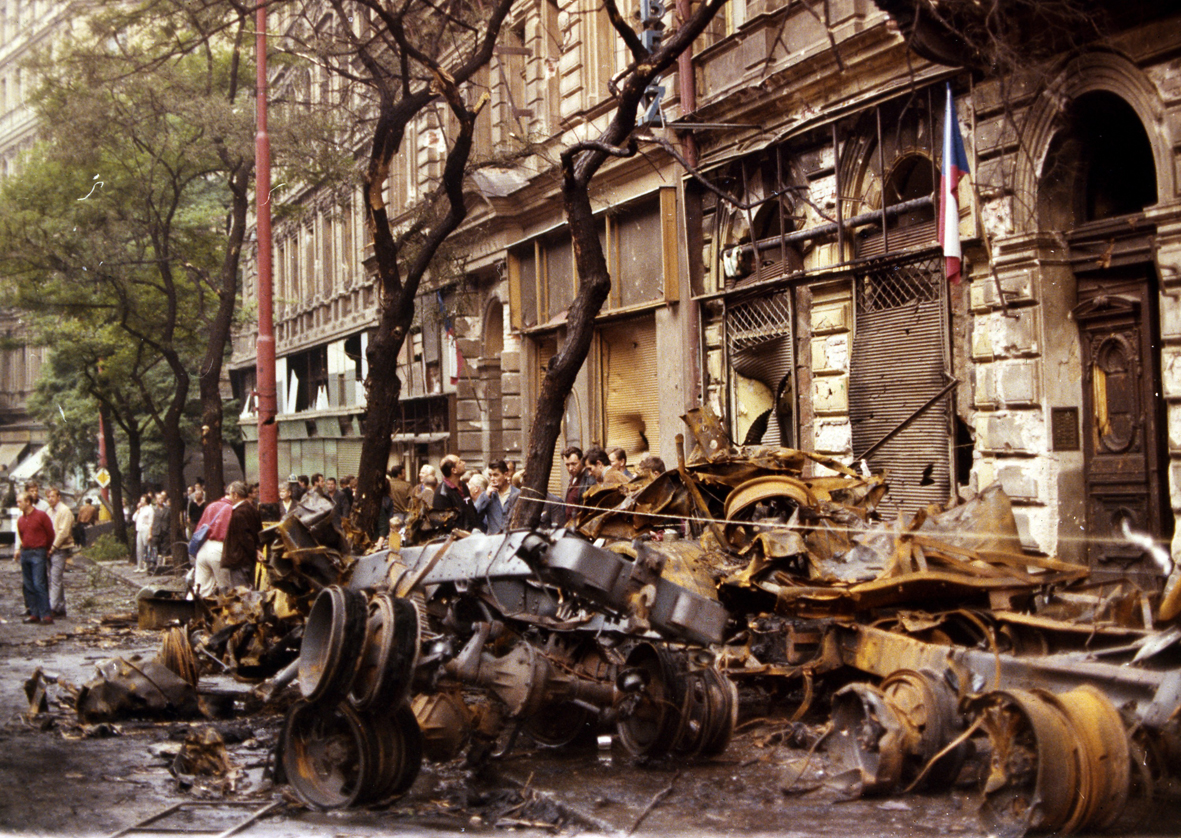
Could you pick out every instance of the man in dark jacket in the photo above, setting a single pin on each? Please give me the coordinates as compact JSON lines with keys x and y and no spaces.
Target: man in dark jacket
{"x":581,"y":479}
{"x":450,"y":495}
{"x":161,"y":532}
{"x":242,"y":544}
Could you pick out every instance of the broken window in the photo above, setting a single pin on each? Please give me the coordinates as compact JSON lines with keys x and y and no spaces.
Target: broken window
{"x":639,"y":242}
{"x":759,"y":345}
{"x":1100,"y":166}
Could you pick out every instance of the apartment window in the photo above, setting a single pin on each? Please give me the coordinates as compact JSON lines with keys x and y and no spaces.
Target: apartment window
{"x":327,"y":252}
{"x":639,"y":242}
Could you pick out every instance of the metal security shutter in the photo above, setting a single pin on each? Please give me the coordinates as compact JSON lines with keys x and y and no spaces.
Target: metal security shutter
{"x":759,"y":340}
{"x":547,"y":348}
{"x":631,"y":395}
{"x":348,"y":457}
{"x":899,"y":364}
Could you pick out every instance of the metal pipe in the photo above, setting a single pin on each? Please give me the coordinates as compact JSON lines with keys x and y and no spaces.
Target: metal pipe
{"x":823,"y":230}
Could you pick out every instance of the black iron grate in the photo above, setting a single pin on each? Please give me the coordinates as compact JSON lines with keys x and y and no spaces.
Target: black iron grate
{"x":900,"y":285}
{"x":758,"y":320}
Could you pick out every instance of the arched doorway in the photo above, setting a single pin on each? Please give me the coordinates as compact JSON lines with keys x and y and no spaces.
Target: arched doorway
{"x":1099,"y":177}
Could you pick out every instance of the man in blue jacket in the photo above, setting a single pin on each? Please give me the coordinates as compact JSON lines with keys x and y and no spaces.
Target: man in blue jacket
{"x":495,"y":506}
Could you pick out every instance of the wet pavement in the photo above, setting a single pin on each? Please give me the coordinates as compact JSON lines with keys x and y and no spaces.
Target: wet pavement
{"x":63,"y":778}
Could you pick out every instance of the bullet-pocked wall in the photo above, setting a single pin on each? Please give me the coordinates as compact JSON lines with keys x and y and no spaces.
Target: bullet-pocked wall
{"x":1071,"y":330}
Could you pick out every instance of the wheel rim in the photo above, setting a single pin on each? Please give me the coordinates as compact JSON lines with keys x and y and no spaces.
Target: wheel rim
{"x":330,"y":653}
{"x":326,"y":754}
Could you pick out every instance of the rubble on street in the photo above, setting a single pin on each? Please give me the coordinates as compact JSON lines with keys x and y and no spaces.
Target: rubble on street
{"x":926,"y":654}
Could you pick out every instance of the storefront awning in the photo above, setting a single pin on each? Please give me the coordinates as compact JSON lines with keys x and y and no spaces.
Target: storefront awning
{"x":30,"y":466}
{"x":9,"y":451}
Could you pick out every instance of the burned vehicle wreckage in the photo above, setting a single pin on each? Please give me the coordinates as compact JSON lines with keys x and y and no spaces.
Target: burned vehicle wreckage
{"x":938,"y":649}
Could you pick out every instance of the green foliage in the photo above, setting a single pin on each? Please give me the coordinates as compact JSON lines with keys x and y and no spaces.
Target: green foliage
{"x":107,"y":548}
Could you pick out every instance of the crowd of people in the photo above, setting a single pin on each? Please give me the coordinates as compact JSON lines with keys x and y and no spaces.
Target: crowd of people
{"x":225,"y":533}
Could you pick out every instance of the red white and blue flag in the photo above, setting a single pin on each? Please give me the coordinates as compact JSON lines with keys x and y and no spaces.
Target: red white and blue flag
{"x":955,"y":166}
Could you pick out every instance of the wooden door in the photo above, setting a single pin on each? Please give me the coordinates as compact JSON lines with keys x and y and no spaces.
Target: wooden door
{"x":1123,"y":419}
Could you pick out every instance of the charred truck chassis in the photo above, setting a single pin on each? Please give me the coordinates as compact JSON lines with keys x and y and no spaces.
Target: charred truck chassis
{"x":1077,"y":740}
{"x":466,"y":643}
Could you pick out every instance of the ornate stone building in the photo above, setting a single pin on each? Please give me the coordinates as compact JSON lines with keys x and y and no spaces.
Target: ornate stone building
{"x":796,"y":282}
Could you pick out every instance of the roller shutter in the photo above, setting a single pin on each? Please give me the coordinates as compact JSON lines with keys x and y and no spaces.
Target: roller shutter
{"x":631,"y":392}
{"x":899,"y":364}
{"x":547,"y":348}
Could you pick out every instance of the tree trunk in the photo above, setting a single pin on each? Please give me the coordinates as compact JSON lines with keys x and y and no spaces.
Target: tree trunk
{"x":579,"y":165}
{"x":175,"y":446}
{"x":209,"y":382}
{"x":135,"y":470}
{"x":382,"y":406}
{"x":116,"y":508}
{"x":595,"y":285}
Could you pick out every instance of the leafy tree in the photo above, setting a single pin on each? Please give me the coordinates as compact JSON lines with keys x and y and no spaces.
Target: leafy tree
{"x":396,"y":60}
{"x":132,"y":213}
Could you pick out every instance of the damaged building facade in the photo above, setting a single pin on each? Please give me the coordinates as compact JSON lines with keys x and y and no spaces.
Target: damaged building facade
{"x":796,"y":284}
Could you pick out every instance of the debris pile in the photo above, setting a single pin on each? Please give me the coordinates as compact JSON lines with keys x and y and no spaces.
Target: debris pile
{"x":738,"y":568}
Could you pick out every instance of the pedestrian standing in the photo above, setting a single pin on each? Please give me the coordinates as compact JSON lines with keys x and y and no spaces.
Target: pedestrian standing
{"x":286,"y":499}
{"x":34,"y":490}
{"x":208,"y":576}
{"x":477,"y":484}
{"x":400,"y":488}
{"x":195,"y":507}
{"x":36,"y":536}
{"x":452,"y":493}
{"x":63,"y":540}
{"x":581,"y":479}
{"x":240,"y":555}
{"x":428,"y":481}
{"x":143,"y":517}
{"x":618,"y":458}
{"x":161,"y":531}
{"x":343,"y":501}
{"x":495,"y":506}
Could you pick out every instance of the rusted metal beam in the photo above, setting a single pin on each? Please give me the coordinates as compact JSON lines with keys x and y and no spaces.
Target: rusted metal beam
{"x":1153,"y":694}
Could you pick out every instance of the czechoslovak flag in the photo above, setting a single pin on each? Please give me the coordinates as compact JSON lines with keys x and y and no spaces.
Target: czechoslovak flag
{"x":955,"y":166}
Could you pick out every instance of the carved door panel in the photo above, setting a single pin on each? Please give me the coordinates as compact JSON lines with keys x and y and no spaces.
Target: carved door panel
{"x":1122,"y":421}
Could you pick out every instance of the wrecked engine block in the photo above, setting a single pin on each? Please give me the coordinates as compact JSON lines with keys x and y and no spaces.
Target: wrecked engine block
{"x":466,"y":643}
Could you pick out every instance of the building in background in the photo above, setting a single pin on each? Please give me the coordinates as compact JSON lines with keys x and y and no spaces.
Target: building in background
{"x":24,"y":27}
{"x":811,"y":305}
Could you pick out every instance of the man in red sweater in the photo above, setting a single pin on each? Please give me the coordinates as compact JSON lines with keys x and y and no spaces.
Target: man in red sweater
{"x":36,"y":534}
